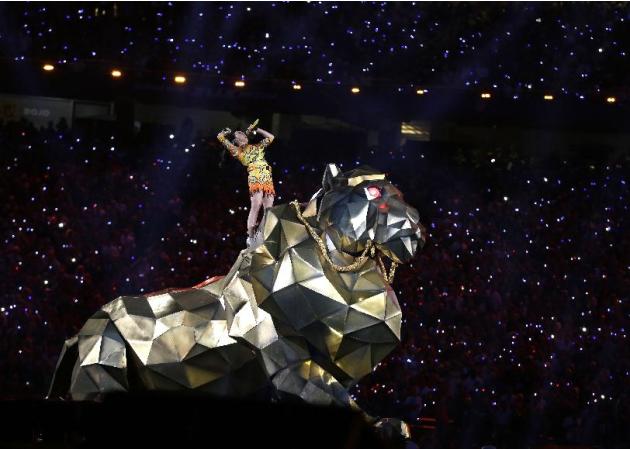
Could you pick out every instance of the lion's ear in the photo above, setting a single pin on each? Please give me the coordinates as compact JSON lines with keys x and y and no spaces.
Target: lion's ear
{"x":331,"y":172}
{"x":310,"y":210}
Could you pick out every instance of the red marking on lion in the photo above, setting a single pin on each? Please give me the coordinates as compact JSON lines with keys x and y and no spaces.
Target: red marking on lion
{"x":209,"y":281}
{"x":199,"y":285}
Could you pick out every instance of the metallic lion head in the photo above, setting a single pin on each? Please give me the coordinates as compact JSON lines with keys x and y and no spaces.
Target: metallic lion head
{"x":350,"y":320}
{"x":361,"y":205}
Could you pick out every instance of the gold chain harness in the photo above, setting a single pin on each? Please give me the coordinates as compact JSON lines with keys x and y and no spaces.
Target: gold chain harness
{"x":359,"y":261}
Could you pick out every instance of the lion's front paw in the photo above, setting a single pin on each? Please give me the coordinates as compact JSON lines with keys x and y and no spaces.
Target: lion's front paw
{"x":393,"y":429}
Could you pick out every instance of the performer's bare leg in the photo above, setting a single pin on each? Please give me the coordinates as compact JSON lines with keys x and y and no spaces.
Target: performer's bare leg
{"x":267,"y":201}
{"x":257,"y":202}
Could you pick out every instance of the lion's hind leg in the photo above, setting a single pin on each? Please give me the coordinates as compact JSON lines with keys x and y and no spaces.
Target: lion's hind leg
{"x":100,"y":361}
{"x":60,"y":384}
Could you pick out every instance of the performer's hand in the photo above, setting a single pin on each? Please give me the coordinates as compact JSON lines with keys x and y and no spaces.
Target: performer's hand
{"x":226,"y":131}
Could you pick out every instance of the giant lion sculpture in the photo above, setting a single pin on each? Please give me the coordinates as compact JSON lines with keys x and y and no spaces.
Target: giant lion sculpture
{"x":304,"y":314}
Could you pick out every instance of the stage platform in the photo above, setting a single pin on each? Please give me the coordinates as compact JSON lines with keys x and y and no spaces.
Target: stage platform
{"x":175,"y":421}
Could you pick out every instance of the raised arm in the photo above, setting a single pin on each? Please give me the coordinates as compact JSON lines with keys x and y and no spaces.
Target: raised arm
{"x":267,"y":136}
{"x":233,"y":149}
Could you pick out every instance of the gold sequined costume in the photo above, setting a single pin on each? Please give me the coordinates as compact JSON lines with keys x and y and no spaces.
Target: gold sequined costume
{"x":253,"y":157}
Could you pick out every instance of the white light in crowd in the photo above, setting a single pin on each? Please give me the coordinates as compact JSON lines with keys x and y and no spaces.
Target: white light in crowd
{"x":180,"y":79}
{"x":486,"y":95}
{"x":611,"y":100}
{"x":548,"y":97}
{"x":116,"y":73}
{"x":48,"y":67}
{"x":355,"y":90}
{"x":297,"y":87}
{"x":239,"y":83}
{"x":421,"y":91}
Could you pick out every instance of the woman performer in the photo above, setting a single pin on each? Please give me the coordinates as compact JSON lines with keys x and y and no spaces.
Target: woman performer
{"x":259,"y":178}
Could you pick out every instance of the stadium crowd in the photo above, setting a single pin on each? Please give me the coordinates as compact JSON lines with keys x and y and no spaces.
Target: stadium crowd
{"x":515,"y":312}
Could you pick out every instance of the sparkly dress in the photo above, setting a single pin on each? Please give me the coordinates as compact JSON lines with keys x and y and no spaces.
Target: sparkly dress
{"x":253,"y":157}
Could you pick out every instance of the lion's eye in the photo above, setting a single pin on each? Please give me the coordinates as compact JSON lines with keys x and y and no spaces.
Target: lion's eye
{"x":374,"y":192}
